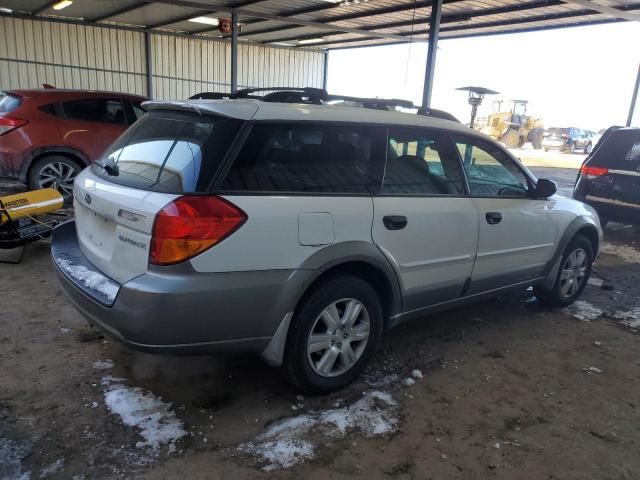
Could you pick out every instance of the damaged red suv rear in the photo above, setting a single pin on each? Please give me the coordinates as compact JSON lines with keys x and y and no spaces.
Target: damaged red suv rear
{"x":48,"y":135}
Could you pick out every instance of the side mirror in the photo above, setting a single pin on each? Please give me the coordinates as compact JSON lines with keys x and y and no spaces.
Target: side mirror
{"x":545,"y":188}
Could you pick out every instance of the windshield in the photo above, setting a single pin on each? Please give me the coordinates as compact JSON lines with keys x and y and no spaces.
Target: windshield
{"x":167,"y":151}
{"x":9,"y":102}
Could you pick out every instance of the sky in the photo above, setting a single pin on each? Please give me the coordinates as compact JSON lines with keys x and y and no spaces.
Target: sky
{"x":581,"y":77}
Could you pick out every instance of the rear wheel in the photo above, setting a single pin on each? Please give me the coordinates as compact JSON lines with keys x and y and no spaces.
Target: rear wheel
{"x":54,"y":171}
{"x":572,"y":277}
{"x":572,"y":147}
{"x":587,"y":148}
{"x":333,"y":336}
{"x":511,"y":139}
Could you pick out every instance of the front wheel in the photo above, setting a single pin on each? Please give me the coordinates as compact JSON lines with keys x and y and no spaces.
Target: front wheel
{"x":333,"y":336}
{"x":575,"y":269}
{"x":511,"y":139}
{"x":587,"y":148}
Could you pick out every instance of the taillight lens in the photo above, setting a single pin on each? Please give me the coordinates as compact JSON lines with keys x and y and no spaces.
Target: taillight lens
{"x":7,"y":124}
{"x":191,"y":224}
{"x":593,"y":172}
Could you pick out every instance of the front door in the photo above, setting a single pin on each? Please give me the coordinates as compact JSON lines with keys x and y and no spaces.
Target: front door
{"x":517,"y":233}
{"x":423,"y":221}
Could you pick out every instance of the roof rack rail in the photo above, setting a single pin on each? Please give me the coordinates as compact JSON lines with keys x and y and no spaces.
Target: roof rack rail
{"x":319,"y":96}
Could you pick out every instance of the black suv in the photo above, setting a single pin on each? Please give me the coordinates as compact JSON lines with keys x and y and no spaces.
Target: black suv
{"x":609,"y":179}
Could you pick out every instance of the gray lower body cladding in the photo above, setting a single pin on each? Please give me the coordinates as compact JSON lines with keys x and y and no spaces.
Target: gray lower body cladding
{"x":192,"y":313}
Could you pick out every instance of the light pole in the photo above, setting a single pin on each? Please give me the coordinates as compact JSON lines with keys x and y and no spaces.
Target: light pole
{"x":476,"y":95}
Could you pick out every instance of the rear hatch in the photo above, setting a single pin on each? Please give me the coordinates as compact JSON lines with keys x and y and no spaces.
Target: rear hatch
{"x":613,"y":170}
{"x":557,"y":134}
{"x":164,"y":155}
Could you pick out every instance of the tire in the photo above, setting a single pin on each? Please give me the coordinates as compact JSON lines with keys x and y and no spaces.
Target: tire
{"x":314,"y":372}
{"x":511,"y":139}
{"x":54,"y":171}
{"x":587,"y":148}
{"x":565,"y":290}
{"x":536,"y":136}
{"x":572,"y":147}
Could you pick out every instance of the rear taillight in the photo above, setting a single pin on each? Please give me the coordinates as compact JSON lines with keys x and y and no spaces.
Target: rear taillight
{"x":191,"y":224}
{"x":7,"y":124}
{"x":593,"y":172}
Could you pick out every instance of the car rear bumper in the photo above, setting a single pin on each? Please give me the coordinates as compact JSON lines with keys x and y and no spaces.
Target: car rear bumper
{"x":177,"y":310}
{"x":612,"y":209}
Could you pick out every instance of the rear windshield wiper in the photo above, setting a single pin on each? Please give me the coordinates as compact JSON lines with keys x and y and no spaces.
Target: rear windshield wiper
{"x":109,"y":166}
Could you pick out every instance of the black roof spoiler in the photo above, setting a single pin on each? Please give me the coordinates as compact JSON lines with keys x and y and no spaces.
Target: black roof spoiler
{"x":319,"y":96}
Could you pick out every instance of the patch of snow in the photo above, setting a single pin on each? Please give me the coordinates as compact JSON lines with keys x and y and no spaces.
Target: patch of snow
{"x":377,"y":382}
{"x":595,"y":370}
{"x":416,"y":374}
{"x":54,"y":467}
{"x":292,"y":440}
{"x":496,"y":445}
{"x":89,"y":278}
{"x":103,"y":364}
{"x":629,"y":318}
{"x":583,"y":311}
{"x":138,"y":408}
{"x":11,"y":455}
{"x":65,"y":330}
{"x":408,"y":381}
{"x":283,"y":453}
{"x":626,"y":253}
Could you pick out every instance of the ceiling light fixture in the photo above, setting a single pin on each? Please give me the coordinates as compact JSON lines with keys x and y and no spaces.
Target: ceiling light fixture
{"x":307,"y":41}
{"x":205,"y":20}
{"x":62,"y":4}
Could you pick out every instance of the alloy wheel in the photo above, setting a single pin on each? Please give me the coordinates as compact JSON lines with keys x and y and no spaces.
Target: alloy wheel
{"x":338,"y":337}
{"x":573,"y":273}
{"x":58,"y":175}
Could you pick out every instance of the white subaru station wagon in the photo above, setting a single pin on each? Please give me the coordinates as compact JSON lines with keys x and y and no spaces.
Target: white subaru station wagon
{"x":303,"y":232}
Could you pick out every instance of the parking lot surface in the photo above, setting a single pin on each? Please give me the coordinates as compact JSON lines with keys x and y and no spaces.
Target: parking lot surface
{"x":502,"y":389}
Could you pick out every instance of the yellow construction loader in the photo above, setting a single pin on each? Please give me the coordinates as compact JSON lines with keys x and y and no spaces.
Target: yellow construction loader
{"x":514,"y":127}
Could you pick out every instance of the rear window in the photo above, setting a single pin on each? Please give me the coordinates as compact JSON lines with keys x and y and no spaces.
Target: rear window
{"x":313,"y":158}
{"x":172,"y":152}
{"x":621,"y":150}
{"x":9,"y":102}
{"x":558,"y":131}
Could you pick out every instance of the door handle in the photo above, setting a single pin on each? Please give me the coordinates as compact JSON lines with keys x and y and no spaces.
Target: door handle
{"x":394,"y":222}
{"x":493,"y":218}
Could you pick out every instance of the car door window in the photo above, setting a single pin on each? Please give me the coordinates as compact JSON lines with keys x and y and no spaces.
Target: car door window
{"x":421,"y":162}
{"x":95,"y":110}
{"x":490,"y":172}
{"x":300,"y":157}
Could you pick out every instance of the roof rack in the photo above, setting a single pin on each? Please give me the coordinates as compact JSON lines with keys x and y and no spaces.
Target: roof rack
{"x":319,"y":96}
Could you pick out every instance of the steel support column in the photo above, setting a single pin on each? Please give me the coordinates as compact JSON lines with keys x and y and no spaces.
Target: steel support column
{"x":148,"y":61}
{"x":234,"y":51}
{"x":430,"y":70}
{"x":634,"y":99}
{"x":325,"y":69}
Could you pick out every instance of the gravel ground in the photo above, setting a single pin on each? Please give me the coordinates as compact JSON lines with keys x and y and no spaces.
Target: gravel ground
{"x":502,"y":389}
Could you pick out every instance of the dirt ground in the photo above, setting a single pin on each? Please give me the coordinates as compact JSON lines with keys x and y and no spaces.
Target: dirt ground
{"x":508,"y":390}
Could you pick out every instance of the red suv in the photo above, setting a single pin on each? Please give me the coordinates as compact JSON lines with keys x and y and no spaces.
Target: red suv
{"x":47,"y":136}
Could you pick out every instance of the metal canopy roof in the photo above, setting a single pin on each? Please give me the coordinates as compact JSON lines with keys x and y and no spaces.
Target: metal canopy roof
{"x":330,"y":24}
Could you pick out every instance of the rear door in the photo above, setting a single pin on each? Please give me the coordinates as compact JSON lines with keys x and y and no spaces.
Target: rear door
{"x":517,"y":233}
{"x":424,"y":222}
{"x":92,"y":124}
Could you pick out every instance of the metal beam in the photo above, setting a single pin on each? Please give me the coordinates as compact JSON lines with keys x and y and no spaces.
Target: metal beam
{"x":432,"y":48}
{"x":283,"y":19}
{"x":613,"y":12}
{"x":634,"y":99}
{"x":451,"y":18}
{"x":493,"y":24}
{"x":234,"y":51}
{"x":325,"y":70}
{"x":148,"y":60}
{"x":120,"y":11}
